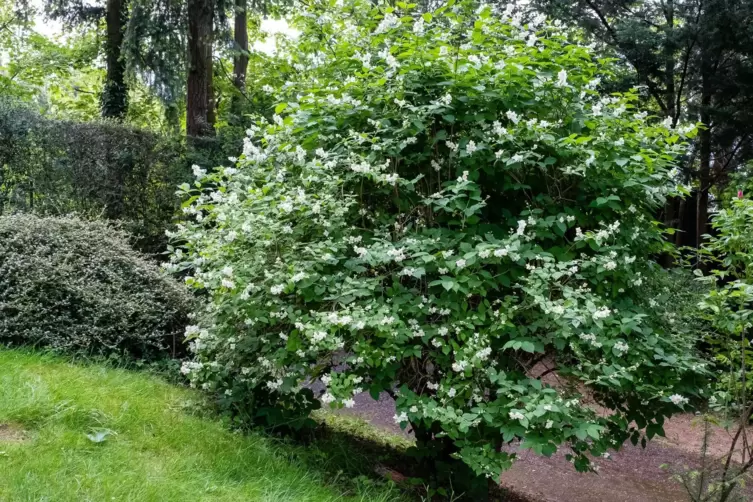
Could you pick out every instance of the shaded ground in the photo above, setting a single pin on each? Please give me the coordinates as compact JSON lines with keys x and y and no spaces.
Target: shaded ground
{"x":631,"y":475}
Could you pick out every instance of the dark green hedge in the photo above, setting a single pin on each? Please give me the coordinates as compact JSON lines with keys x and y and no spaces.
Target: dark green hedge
{"x":53,"y":167}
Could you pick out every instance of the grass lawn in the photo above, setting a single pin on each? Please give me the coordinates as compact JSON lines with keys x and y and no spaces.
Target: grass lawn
{"x":157,"y":451}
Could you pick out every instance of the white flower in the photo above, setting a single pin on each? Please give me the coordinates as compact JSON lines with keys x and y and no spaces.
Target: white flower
{"x":407,"y":271}
{"x":402,"y":417}
{"x":268,"y":89}
{"x":192,"y":330}
{"x":392,"y":178}
{"x":516,"y":415}
{"x":460,"y":263}
{"x":349,"y":403}
{"x":327,"y":398}
{"x":198,"y":172}
{"x":418,"y":26}
{"x":387,"y":320}
{"x":228,"y":271}
{"x":228,"y":283}
{"x":548,"y":424}
{"x":318,"y":336}
{"x":459,"y":366}
{"x":499,"y":253}
{"x":274,"y":385}
{"x":484,"y":353}
{"x":389,"y":22}
{"x":471,"y":147}
{"x":602,"y":313}
{"x":277,"y":289}
{"x":452,"y":392}
{"x":621,"y":347}
{"x":521,"y":227}
{"x":678,"y":400}
{"x":514,"y":118}
{"x":396,"y":254}
{"x":499,"y":154}
{"x":562,"y":78}
{"x":610,"y":265}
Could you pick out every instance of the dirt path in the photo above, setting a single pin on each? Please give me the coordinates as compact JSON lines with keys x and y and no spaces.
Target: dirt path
{"x":631,"y":475}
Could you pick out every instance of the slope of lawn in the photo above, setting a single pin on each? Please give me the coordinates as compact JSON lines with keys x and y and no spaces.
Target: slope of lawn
{"x":156,"y":450}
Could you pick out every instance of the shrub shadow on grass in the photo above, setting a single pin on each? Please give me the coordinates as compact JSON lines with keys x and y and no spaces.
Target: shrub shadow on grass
{"x":353,"y":453}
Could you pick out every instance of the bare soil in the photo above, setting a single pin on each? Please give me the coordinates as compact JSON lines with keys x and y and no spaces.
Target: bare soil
{"x":11,"y":433}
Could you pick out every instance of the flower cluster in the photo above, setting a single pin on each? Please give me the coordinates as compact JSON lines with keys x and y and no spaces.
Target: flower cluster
{"x":446,"y":205}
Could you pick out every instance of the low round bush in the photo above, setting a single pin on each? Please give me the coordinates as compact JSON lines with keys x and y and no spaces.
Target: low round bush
{"x":78,"y":286}
{"x":447,"y":210}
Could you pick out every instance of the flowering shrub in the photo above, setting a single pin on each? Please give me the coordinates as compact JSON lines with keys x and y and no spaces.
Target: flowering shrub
{"x":727,"y":306}
{"x":78,"y":286}
{"x":444,"y":209}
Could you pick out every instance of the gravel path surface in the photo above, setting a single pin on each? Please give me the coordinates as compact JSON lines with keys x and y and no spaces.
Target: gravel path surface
{"x":631,"y":475}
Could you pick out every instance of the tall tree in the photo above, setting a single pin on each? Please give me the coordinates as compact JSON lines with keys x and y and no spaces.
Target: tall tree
{"x":694,"y":58}
{"x":155,"y":51}
{"x":114,"y":98}
{"x":240,"y":54}
{"x":115,"y":92}
{"x":199,"y":99}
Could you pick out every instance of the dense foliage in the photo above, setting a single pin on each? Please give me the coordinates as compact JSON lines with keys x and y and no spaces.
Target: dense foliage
{"x":444,"y":209}
{"x":97,"y":168}
{"x":694,"y":61}
{"x":727,"y":306}
{"x":77,"y":286}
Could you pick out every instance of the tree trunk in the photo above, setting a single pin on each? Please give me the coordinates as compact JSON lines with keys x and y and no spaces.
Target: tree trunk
{"x":199,"y":85}
{"x":240,"y":59}
{"x":114,"y":99}
{"x":212,"y":107}
{"x":670,"y":220}
{"x":669,"y":60}
{"x":704,"y":136}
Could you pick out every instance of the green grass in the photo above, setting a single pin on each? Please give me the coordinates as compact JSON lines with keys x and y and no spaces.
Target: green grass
{"x":159,"y":450}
